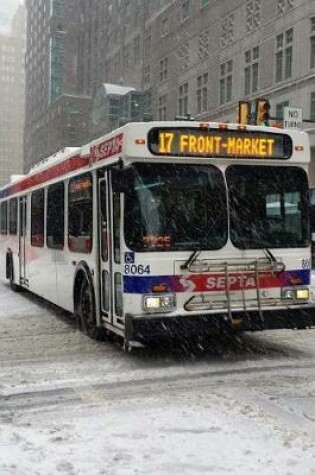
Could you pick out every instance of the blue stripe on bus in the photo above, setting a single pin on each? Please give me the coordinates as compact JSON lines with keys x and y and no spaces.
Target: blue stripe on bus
{"x":198,"y":283}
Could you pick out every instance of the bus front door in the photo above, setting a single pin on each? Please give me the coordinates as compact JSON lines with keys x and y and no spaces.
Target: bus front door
{"x":110,"y":253}
{"x":22,"y":239}
{"x":106,"y":308}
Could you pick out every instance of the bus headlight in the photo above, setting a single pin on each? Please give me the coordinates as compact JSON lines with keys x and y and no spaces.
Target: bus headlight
{"x":301,"y":293}
{"x":159,"y":303}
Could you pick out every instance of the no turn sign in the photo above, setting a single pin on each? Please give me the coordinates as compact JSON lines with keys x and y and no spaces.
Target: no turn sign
{"x":293,"y":118}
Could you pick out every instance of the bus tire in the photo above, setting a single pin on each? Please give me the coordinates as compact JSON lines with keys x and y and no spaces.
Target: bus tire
{"x":87,"y":314}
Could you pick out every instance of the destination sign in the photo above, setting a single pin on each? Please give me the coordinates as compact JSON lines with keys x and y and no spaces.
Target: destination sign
{"x":80,"y":189}
{"x":193,"y":142}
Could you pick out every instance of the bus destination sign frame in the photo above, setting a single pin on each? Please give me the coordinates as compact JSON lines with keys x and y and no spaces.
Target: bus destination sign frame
{"x":216,"y":143}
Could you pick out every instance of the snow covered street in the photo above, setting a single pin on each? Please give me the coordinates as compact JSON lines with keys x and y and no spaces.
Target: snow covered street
{"x":69,"y":405}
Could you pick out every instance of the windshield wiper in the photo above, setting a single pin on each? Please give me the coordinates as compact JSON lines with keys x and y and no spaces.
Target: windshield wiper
{"x":269,"y":255}
{"x":280,"y":266}
{"x":192,"y":258}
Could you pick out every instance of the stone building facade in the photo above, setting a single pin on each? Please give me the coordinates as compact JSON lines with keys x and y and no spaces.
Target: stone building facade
{"x":197,"y":57}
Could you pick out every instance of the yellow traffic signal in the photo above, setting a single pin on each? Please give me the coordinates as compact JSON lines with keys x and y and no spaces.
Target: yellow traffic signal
{"x":262,"y":111}
{"x":243,"y":112}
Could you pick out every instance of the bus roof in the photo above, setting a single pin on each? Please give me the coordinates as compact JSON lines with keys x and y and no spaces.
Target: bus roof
{"x":133,"y":141}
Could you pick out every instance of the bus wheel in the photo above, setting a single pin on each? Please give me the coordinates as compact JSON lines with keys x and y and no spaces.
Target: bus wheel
{"x":15,"y":287}
{"x":87,"y":314}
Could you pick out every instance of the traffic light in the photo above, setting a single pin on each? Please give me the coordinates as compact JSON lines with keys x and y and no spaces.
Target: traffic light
{"x":262,"y":112}
{"x":243,"y":112}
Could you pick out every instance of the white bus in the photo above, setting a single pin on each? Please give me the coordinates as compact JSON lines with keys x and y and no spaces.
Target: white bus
{"x":167,"y":229}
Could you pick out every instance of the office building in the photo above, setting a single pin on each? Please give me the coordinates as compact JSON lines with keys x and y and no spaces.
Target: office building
{"x":12,"y":77}
{"x":196,"y":57}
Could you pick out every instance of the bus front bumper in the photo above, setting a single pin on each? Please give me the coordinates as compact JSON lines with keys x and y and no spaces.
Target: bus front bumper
{"x":146,"y":328}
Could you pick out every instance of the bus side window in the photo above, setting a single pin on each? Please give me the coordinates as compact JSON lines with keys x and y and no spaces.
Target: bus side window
{"x":13,"y":216}
{"x":37,"y":218}
{"x":55,"y":216}
{"x":4,"y":217}
{"x":80,"y":214}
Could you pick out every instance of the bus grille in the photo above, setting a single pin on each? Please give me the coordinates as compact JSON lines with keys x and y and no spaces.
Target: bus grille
{"x":230,"y":300}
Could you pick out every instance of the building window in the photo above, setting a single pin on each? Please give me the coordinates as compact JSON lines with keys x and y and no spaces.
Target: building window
{"x":203,"y":45}
{"x":202,"y":93}
{"x":164,"y":27}
{"x":136,"y":49}
{"x":312,"y":111}
{"x":284,"y":51}
{"x":117,"y":65}
{"x":147,"y":42}
{"x":185,"y":9}
{"x":57,"y":8}
{"x":284,"y":6}
{"x":184,"y":56}
{"x":162,"y":107}
{"x":125,"y":56}
{"x":183,"y":99}
{"x":279,"y":109}
{"x":147,"y":75}
{"x":251,"y":70}
{"x":226,"y":79}
{"x":163,"y":69}
{"x":227,"y":30}
{"x":56,"y":56}
{"x":55,"y":216}
{"x":252,"y":14}
{"x":312,"y":44}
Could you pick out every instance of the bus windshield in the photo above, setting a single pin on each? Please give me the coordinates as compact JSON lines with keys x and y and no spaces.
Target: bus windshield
{"x":175,"y":206}
{"x":179,"y":206}
{"x":312,"y":209}
{"x":269,"y":207}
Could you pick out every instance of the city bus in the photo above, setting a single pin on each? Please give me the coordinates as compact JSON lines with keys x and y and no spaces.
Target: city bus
{"x":172,"y":229}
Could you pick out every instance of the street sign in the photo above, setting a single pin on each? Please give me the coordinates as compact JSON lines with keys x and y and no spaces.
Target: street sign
{"x":293,"y":118}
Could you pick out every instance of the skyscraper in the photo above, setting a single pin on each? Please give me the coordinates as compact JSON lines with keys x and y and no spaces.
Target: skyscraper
{"x":12,"y":50}
{"x":55,"y":116}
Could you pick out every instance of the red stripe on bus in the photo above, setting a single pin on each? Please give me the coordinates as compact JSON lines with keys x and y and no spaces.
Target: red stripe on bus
{"x":58,"y":170}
